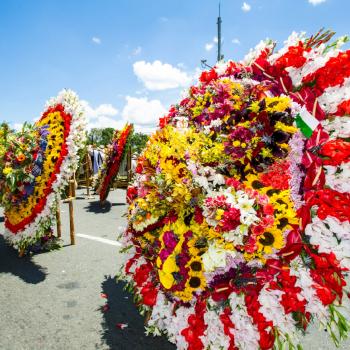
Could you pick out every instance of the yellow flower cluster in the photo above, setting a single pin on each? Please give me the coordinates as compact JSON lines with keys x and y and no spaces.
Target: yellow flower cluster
{"x":235,"y":91}
{"x":167,"y":150}
{"x":166,"y":270}
{"x":284,"y":217}
{"x":171,"y":187}
{"x":277,"y":104}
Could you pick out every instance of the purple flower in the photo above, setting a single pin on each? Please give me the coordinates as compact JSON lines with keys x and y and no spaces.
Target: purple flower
{"x":170,"y":240}
{"x":164,"y":254}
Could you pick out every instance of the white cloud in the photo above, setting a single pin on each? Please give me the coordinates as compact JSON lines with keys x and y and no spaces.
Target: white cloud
{"x":96,"y":40}
{"x":236,"y":41}
{"x":160,"y":76}
{"x":137,"y":51}
{"x":102,"y":116}
{"x":105,"y":122}
{"x":17,"y":126}
{"x":209,"y":46}
{"x":105,"y":109}
{"x":246,"y":7}
{"x":142,"y":112}
{"x":316,"y":2}
{"x":164,"y":19}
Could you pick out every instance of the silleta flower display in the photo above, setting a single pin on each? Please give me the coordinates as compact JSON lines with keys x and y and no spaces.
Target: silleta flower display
{"x":114,"y":157}
{"x":37,"y":164}
{"x":239,"y":232}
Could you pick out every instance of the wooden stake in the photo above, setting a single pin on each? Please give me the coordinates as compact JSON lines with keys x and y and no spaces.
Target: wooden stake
{"x":71,"y":212}
{"x":73,"y":186}
{"x":58,"y":219}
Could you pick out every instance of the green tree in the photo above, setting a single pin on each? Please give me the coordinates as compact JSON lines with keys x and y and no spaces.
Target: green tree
{"x":100,"y":136}
{"x":138,"y":142}
{"x":104,"y":136}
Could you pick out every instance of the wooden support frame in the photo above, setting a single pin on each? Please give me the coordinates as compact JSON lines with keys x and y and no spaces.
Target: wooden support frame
{"x":69,"y":200}
{"x":58,"y":219}
{"x":71,"y":210}
{"x":84,"y":178}
{"x":121,"y":183}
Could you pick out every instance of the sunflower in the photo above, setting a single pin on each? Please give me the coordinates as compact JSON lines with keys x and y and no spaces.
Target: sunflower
{"x":253,"y":181}
{"x":270,"y":240}
{"x":195,"y":265}
{"x":196,"y":245}
{"x":277,"y":104}
{"x":196,"y":281}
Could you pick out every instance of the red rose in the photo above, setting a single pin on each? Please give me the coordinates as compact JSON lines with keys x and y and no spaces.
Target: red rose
{"x":131,"y":194}
{"x":142,"y":274}
{"x":149,"y":294}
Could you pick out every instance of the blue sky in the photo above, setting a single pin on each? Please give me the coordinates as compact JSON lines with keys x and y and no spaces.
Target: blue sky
{"x":105,"y":50}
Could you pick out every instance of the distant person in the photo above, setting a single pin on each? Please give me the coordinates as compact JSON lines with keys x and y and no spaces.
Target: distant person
{"x":96,"y":159}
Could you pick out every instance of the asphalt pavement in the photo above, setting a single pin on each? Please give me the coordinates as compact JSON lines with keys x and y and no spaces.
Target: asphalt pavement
{"x":69,"y":299}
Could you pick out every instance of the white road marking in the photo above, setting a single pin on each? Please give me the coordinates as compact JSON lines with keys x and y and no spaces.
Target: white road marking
{"x":99,"y":239}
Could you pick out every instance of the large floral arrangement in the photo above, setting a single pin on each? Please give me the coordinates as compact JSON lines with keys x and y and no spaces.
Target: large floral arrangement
{"x":239,"y":231}
{"x":36,"y":166}
{"x":115,"y":155}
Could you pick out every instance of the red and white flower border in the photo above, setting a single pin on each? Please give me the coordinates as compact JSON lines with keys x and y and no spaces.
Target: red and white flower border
{"x":246,"y":326}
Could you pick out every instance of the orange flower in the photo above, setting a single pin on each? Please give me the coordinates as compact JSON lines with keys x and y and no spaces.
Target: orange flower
{"x":20,"y":158}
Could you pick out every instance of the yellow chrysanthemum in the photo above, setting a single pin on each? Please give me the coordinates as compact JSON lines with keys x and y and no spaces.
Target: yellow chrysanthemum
{"x":254,"y":107}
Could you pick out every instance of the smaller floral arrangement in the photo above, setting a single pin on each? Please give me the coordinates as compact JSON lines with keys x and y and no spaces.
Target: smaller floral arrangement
{"x":114,"y":157}
{"x":37,"y":163}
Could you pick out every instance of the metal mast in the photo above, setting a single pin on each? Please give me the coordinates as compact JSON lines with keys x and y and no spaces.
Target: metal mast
{"x":220,"y":57}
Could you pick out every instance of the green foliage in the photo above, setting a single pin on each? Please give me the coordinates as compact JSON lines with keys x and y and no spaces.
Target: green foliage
{"x":100,"y":136}
{"x":138,"y":142}
{"x":104,"y":136}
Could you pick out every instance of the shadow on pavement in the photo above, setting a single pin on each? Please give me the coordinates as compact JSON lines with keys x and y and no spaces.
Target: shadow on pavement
{"x":123,"y":310}
{"x":24,"y":268}
{"x":97,"y":208}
